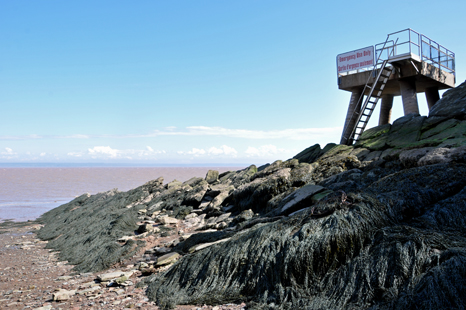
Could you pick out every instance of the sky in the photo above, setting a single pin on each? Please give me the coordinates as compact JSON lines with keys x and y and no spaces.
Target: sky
{"x":190,"y":82}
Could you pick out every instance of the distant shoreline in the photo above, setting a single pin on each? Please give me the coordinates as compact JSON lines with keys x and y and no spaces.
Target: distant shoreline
{"x":117,"y":165}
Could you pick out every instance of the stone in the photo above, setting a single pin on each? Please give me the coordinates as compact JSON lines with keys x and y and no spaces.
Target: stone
{"x":410,"y":158}
{"x":452,"y":104}
{"x":167,"y":259}
{"x":190,"y":216}
{"x":219,"y":199}
{"x":212,"y":176}
{"x":89,"y":290}
{"x":166,"y":220}
{"x":174,"y":184}
{"x":374,"y":138}
{"x":310,"y":154}
{"x":405,"y":130}
{"x":206,"y":245}
{"x":114,"y":275}
{"x":320,"y":196}
{"x":245,"y":215}
{"x":222,"y":217}
{"x":300,"y":198}
{"x":62,"y":295}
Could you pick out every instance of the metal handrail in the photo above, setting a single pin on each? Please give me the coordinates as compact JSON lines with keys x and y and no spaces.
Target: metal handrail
{"x":374,"y":69}
{"x":417,"y":44}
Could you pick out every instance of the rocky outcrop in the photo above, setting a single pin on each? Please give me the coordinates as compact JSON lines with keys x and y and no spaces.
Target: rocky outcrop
{"x":378,"y":225}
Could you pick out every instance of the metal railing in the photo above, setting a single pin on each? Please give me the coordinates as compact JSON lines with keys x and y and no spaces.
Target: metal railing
{"x":408,"y":45}
{"x":437,"y":55}
{"x":412,"y":44}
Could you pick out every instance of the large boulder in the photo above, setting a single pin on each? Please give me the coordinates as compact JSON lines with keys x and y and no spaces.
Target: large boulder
{"x":452,"y":104}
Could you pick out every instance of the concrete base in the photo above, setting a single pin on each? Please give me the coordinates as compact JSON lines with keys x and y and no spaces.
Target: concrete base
{"x":409,"y":97}
{"x":351,"y":118}
{"x":386,"y":109}
{"x":432,"y":96}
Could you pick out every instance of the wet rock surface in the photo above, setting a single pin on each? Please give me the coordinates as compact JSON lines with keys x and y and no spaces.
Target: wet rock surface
{"x":377,"y":225}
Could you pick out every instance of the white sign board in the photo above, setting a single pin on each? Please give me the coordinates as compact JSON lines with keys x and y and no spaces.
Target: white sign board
{"x":355,"y":60}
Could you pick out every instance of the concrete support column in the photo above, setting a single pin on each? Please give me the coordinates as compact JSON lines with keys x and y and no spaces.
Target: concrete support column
{"x":408,"y":95}
{"x":386,"y":109}
{"x":351,"y":118}
{"x":432,"y":96}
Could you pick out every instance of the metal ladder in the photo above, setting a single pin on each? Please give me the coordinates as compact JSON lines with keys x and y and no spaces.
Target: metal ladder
{"x":374,"y":90}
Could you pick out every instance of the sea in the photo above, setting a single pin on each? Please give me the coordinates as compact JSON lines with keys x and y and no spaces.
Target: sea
{"x":26,"y":192}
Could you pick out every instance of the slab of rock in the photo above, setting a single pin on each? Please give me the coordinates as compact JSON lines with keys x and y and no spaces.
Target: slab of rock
{"x":174,"y":184}
{"x":206,"y":245}
{"x":410,"y":158}
{"x":114,"y":275}
{"x":218,"y":200}
{"x":167,"y":259}
{"x":166,"y":220}
{"x":299,"y":197}
{"x":452,"y":104}
{"x":89,"y":290}
{"x":405,"y":130}
{"x":212,"y":176}
{"x":62,"y":294}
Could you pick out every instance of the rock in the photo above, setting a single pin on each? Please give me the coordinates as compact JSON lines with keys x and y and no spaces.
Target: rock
{"x":218,"y":200}
{"x":167,"y":259}
{"x":410,"y":158}
{"x":195,"y":195}
{"x":374,"y":138}
{"x":206,"y":245}
{"x":310,"y":154}
{"x":222,"y":217}
{"x":174,"y":184}
{"x":62,"y":295}
{"x":212,"y":176}
{"x":124,"y":239}
{"x":405,"y":131}
{"x":244,"y":216}
{"x":300,"y":198}
{"x":190,"y":216}
{"x":255,"y":195}
{"x":373,"y":156}
{"x":452,"y":104}
{"x":89,"y":290}
{"x":166,"y":220}
{"x":114,"y":275}
{"x":145,"y":228}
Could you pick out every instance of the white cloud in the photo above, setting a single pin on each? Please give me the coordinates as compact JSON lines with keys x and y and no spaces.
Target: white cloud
{"x":290,"y":134}
{"x":104,"y":150}
{"x":108,"y":152}
{"x":265,"y":151}
{"x":77,"y":136}
{"x":196,"y":152}
{"x":75,"y":154}
{"x":43,"y":154}
{"x":223,"y":150}
{"x":8,"y":153}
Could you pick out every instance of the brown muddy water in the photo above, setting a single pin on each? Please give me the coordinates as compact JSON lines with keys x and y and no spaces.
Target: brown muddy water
{"x":26,"y":193}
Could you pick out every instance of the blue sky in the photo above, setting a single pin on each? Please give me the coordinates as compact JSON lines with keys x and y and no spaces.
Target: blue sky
{"x":189,"y":82}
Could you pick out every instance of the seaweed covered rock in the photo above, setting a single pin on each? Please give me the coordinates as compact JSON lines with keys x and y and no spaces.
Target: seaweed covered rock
{"x":86,"y":230}
{"x":368,"y":251}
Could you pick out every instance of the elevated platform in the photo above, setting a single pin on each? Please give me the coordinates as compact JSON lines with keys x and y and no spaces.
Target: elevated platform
{"x":407,"y":63}
{"x":423,"y":74}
